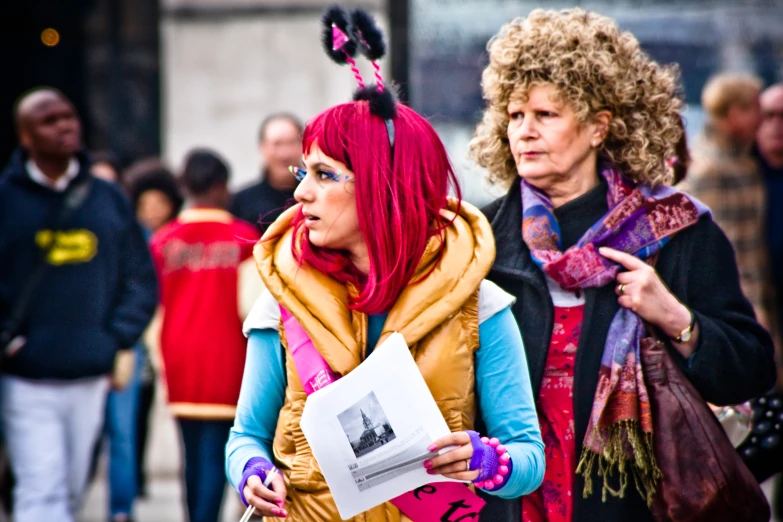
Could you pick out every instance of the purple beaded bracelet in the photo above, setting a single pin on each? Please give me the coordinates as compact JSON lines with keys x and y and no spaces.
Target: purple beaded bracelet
{"x":492,"y":461}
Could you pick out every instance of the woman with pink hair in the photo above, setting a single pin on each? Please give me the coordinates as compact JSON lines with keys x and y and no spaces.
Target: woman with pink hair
{"x":377,"y":246}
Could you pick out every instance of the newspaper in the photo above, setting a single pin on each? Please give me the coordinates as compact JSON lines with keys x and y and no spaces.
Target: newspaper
{"x":370,"y":430}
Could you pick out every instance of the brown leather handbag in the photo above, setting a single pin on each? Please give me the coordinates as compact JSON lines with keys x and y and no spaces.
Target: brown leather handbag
{"x":704,"y":478}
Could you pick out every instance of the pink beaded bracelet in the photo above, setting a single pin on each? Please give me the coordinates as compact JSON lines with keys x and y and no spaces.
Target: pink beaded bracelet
{"x":503,"y":458}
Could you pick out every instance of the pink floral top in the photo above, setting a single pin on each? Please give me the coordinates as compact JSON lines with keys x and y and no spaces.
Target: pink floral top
{"x":553,"y":502}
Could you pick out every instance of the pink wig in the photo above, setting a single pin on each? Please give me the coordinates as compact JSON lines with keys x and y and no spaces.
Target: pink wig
{"x":397,"y":203}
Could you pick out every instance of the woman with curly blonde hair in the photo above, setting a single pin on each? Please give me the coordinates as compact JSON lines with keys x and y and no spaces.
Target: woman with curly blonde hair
{"x":579,"y":123}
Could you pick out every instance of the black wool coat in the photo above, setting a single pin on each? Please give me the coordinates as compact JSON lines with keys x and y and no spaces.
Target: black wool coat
{"x":733,"y":361}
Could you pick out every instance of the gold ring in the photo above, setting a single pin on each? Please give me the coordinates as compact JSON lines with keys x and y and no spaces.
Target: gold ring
{"x":620,"y":289}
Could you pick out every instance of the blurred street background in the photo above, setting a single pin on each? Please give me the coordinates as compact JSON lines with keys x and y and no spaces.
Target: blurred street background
{"x":156,"y":77}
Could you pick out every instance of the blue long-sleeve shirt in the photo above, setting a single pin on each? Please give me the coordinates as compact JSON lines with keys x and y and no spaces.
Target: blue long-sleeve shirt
{"x":502,"y":385}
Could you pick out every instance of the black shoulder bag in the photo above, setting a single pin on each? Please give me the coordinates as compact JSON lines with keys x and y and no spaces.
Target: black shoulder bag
{"x":75,"y":196}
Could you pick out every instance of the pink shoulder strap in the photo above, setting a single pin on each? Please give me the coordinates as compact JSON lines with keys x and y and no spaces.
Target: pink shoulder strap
{"x":313,"y":370}
{"x":436,"y":502}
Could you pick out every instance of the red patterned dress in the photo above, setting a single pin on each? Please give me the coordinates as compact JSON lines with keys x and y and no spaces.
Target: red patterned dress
{"x":552,"y":502}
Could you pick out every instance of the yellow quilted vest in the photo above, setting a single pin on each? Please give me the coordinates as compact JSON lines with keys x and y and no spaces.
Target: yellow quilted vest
{"x":438,"y":317}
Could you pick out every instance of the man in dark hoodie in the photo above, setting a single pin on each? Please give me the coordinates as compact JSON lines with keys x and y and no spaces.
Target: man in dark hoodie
{"x":97,"y":292}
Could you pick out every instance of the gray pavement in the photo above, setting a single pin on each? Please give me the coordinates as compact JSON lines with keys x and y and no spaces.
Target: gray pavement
{"x":165,"y":501}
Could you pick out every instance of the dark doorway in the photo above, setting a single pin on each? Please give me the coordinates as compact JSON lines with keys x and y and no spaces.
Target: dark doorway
{"x":103,"y":54}
{"x":28,"y":62}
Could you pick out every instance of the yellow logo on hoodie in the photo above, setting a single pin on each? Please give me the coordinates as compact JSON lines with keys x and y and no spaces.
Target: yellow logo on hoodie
{"x":70,"y":246}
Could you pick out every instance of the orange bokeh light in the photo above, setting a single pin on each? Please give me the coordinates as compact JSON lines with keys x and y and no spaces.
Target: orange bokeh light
{"x":50,"y":37}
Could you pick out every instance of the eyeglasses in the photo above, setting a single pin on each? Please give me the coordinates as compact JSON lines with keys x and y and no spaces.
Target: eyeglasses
{"x":321,"y":175}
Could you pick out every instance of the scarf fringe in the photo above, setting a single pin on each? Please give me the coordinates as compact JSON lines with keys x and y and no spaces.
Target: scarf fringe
{"x":614,"y":457}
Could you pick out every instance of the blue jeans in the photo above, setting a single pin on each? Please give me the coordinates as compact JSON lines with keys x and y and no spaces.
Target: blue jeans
{"x":121,"y":414}
{"x":205,"y":478}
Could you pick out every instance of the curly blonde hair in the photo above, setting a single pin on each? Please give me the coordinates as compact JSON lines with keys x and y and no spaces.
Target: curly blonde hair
{"x":593,"y":67}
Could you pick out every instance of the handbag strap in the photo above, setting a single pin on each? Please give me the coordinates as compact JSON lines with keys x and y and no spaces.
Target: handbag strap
{"x":75,"y":196}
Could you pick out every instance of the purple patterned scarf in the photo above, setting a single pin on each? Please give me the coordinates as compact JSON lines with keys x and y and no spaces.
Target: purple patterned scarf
{"x":640,"y":221}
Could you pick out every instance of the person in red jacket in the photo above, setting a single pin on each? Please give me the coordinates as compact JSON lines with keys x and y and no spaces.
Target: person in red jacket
{"x":198,"y":258}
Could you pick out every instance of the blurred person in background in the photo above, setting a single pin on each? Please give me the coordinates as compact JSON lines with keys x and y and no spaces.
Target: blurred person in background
{"x":579,"y":124}
{"x":769,"y":152}
{"x":763,"y":450}
{"x":725,"y":177}
{"x":155,"y":193}
{"x":280,"y":145}
{"x":134,"y":373}
{"x":96,"y":292}
{"x":106,"y":166}
{"x":198,"y":257}
{"x":157,"y":199}
{"x":122,"y":401}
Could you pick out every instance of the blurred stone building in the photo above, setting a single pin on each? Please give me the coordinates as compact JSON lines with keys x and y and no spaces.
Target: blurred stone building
{"x":228,"y":63}
{"x":161,"y":76}
{"x":103,"y":54}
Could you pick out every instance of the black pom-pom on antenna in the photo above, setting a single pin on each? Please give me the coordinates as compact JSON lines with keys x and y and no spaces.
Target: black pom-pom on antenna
{"x":335,"y":15}
{"x":382,"y":103}
{"x":368,"y":35}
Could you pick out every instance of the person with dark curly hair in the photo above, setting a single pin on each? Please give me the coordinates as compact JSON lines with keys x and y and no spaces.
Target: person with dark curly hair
{"x":157,"y":199}
{"x":154,"y":191}
{"x":579,"y":125}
